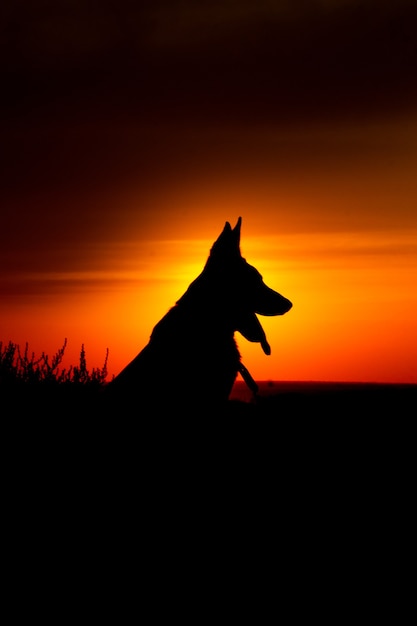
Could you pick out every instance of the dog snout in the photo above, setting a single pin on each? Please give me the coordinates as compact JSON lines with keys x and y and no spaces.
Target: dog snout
{"x":287,"y":304}
{"x":282,"y":306}
{"x":273,"y":303}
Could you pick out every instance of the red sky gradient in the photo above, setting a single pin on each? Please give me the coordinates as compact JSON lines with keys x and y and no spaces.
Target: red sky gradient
{"x":130,"y":135}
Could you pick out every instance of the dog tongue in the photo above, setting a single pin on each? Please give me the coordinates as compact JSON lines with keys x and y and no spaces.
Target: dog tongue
{"x":265,"y":346}
{"x":251,"y":329}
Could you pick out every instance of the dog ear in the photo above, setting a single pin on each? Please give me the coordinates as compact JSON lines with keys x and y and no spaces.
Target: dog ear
{"x":236,"y":234}
{"x":236,"y":229}
{"x":225,"y":234}
{"x":228,"y":242}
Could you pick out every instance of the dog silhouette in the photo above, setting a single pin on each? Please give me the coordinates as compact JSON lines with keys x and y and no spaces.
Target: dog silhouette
{"x":192,"y":359}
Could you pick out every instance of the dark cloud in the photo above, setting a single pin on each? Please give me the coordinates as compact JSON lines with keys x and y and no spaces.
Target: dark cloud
{"x":222,"y":61}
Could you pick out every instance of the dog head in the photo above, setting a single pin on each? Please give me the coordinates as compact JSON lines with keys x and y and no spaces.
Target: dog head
{"x":243,"y":288}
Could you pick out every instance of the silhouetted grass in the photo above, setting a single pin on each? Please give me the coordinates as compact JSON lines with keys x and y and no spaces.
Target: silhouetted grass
{"x":17,"y":368}
{"x":40,"y":384}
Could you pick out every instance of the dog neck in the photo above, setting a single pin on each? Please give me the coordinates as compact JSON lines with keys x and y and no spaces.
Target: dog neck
{"x":216,"y":320}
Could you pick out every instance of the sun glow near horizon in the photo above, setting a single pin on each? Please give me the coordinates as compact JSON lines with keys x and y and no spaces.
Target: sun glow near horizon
{"x":353,"y":315}
{"x":130,"y":136}
{"x":353,"y":310}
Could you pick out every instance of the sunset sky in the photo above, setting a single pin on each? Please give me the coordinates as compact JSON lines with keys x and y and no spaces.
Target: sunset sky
{"x":132,"y":131}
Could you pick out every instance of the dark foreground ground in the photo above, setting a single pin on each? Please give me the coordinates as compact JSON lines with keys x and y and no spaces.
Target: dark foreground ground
{"x":279,"y":402}
{"x":301,"y":445}
{"x":314,"y":484}
{"x":294,"y":434}
{"x":74,"y":417}
{"x":334,"y":400}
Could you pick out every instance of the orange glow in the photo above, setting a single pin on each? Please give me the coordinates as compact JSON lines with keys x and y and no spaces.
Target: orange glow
{"x":132,"y":131}
{"x":329,"y":220}
{"x":353,"y":317}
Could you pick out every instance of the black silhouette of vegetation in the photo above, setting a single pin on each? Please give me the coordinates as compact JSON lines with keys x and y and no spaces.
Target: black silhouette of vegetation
{"x":33,"y":385}
{"x":18,"y":368}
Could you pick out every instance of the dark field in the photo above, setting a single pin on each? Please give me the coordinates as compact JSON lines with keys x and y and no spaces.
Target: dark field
{"x":332,"y":399}
{"x":306,"y":413}
{"x":279,"y":401}
{"x":307,"y":453}
{"x":312,"y":488}
{"x":321,"y":464}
